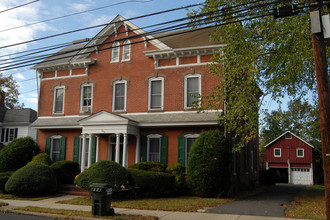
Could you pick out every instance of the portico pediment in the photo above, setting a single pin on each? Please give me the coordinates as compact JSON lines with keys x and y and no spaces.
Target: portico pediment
{"x":105,"y":117}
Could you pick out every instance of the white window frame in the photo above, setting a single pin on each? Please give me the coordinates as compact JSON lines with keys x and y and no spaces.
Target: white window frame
{"x":54,"y":99}
{"x":303,"y":152}
{"x":115,"y":47}
{"x":186,"y":88}
{"x":56,"y":137}
{"x":82,"y":98}
{"x":126,"y":46}
{"x":114,"y":95}
{"x":186,"y":146}
{"x":148,"y":144}
{"x":162,"y":93}
{"x":275,"y":155}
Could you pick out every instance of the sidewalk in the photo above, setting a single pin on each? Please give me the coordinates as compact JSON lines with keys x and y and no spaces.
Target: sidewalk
{"x":163,"y":215}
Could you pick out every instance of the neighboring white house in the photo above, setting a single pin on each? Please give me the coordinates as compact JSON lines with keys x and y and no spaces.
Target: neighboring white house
{"x":16,"y":123}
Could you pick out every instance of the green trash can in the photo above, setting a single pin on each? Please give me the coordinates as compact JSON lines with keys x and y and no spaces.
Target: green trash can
{"x":101,"y":199}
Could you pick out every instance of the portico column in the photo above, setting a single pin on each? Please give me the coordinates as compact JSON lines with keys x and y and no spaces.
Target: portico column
{"x":137,"y":151}
{"x":117,"y":148}
{"x":97,"y":149}
{"x":89,"y":151}
{"x":83,"y":149}
{"x":124,"y":162}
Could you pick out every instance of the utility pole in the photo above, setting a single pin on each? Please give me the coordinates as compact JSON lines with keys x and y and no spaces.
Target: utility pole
{"x":323,"y":93}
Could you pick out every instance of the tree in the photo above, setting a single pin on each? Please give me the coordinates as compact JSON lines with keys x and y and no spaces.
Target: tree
{"x":9,"y":90}
{"x":261,"y":53}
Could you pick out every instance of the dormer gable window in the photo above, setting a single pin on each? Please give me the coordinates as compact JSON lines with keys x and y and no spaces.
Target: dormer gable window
{"x":115,"y":52}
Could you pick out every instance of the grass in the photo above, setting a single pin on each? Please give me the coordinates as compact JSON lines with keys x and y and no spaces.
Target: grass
{"x":182,"y":204}
{"x":70,"y":214}
{"x":3,"y":204}
{"x":13,"y":197}
{"x":309,"y":205}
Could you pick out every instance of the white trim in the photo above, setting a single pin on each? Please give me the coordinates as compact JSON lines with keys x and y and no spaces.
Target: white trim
{"x":303,"y":152}
{"x":115,"y":46}
{"x":54,"y":99}
{"x":186,"y":77}
{"x":114,"y":93}
{"x":169,"y":112}
{"x":280,"y":149}
{"x":162,"y":93}
{"x":148,"y":144}
{"x":82,"y":99}
{"x":182,"y":65}
{"x":64,"y":77}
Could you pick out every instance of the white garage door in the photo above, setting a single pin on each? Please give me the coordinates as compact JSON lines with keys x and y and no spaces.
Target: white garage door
{"x":301,"y":176}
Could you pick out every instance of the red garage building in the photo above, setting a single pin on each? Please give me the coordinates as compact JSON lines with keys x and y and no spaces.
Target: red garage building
{"x":292,"y":159}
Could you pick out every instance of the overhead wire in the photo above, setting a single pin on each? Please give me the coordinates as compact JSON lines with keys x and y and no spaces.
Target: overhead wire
{"x":18,"y":6}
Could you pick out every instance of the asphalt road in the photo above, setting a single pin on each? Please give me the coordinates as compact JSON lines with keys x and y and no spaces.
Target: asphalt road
{"x":269,"y":203}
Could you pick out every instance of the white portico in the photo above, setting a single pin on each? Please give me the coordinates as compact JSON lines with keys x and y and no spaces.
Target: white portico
{"x":107,"y":123}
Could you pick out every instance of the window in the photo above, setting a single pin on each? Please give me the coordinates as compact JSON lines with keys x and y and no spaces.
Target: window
{"x":55,"y":155}
{"x":154,"y":148}
{"x":56,"y":147}
{"x":277,"y":152}
{"x":86,"y":98}
{"x":58,"y":105}
{"x":119,"y":96}
{"x":156,"y":93}
{"x":8,"y":134}
{"x":115,"y":52}
{"x":300,"y":152}
{"x":288,"y":136}
{"x":192,"y":90}
{"x":189,"y":141}
{"x":126,"y":51}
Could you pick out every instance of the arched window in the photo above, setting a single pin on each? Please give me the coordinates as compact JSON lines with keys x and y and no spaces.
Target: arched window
{"x":115,"y":52}
{"x":126,"y":50}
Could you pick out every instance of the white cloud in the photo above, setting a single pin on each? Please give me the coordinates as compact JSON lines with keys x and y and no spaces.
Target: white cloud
{"x":32,"y":100}
{"x":79,"y":7}
{"x":19,"y":76}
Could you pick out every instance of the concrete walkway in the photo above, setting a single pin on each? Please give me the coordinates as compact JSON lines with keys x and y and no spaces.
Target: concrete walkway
{"x":163,"y":215}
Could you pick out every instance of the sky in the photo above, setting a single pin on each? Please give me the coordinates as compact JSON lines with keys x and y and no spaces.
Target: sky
{"x":31,"y":15}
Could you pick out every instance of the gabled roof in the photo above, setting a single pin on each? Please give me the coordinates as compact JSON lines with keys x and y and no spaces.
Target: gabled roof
{"x":267,"y":145}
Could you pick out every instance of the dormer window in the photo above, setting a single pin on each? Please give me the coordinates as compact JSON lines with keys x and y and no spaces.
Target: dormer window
{"x":126,"y":50}
{"x":115,"y":52}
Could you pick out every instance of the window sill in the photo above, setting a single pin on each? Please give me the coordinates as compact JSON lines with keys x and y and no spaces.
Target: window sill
{"x":119,"y":111}
{"x":114,"y":61}
{"x":123,"y":61}
{"x":58,"y":114}
{"x":155,"y":110}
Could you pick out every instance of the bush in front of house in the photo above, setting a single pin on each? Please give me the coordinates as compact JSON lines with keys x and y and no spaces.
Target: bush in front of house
{"x":179,"y":172}
{"x":34,"y":179}
{"x":150,"y":182}
{"x":104,"y":171}
{"x":208,"y":164}
{"x":42,"y":158}
{"x":150,"y":166}
{"x":18,"y":153}
{"x":65,"y":171}
{"x":4,"y":178}
{"x":267,"y":177}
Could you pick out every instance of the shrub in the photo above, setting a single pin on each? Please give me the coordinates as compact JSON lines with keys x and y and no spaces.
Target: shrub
{"x":17,"y":154}
{"x":104,"y":171}
{"x":4,"y":178}
{"x":208,"y":164}
{"x":150,"y":166}
{"x":267,"y":177}
{"x":151,"y":182}
{"x":65,"y":171}
{"x":31,"y":180}
{"x":41,"y":158}
{"x":178,"y":170}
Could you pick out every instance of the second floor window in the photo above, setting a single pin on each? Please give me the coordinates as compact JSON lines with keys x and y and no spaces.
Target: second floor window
{"x":119,"y":96}
{"x":86,"y":98}
{"x":277,"y":152}
{"x":192,"y":89}
{"x":156,"y":93}
{"x":115,"y":52}
{"x":58,"y":104}
{"x":300,"y":152}
{"x":126,"y":50}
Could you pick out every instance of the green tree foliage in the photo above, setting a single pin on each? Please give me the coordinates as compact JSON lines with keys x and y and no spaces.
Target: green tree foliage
{"x":208,"y":170}
{"x":9,"y":90}
{"x":274,"y":55}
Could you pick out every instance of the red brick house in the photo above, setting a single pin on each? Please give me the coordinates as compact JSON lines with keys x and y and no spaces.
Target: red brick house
{"x":292,"y":158}
{"x":130,"y":89}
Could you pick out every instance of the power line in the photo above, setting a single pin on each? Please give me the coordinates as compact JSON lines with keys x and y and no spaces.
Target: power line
{"x":18,"y":6}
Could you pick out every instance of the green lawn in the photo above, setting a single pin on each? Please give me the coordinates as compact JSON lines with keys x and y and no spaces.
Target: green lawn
{"x":182,"y":204}
{"x":309,"y":205}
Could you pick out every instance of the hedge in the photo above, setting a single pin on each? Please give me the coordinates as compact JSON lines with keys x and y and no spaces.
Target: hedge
{"x":65,"y":171}
{"x":149,"y":166}
{"x":4,"y":177}
{"x":42,"y":158}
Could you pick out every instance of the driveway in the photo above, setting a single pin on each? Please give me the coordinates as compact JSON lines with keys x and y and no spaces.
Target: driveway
{"x":269,"y":203}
